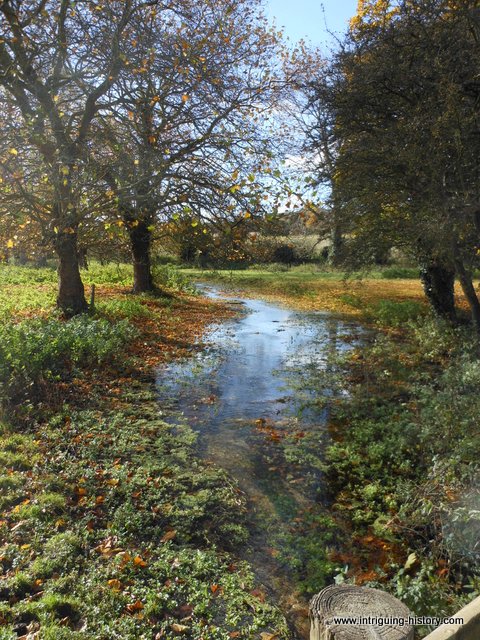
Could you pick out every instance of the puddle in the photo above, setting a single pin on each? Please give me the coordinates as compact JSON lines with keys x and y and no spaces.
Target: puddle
{"x":250,"y":397}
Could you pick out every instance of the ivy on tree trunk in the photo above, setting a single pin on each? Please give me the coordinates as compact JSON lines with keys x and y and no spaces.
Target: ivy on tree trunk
{"x":438,"y":283}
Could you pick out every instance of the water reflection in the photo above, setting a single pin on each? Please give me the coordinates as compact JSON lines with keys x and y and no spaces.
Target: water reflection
{"x":259,"y":398}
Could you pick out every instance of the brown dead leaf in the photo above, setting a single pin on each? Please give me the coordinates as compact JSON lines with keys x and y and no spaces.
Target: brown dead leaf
{"x":256,"y":593}
{"x":170,"y":535}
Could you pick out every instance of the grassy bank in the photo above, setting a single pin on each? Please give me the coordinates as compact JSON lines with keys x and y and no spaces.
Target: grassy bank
{"x":111,"y":528}
{"x":391,"y":296}
{"x":402,"y":463}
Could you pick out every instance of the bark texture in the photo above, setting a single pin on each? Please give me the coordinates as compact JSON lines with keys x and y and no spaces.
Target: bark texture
{"x":140,"y":242}
{"x":71,"y":293}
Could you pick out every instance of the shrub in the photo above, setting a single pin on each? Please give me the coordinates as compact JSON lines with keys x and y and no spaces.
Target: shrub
{"x":35,"y":351}
{"x":394,"y":314}
{"x":400,"y":273}
{"x":171,"y":277}
{"x":285,"y":253}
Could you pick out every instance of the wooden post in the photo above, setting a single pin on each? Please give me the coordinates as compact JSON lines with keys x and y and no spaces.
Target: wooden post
{"x":92,"y":298}
{"x":368,"y":614}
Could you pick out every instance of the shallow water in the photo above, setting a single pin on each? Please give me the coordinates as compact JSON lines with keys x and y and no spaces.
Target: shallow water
{"x":250,"y":397}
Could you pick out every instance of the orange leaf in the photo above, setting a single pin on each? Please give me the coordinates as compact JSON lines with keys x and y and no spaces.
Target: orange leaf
{"x":136,"y":606}
{"x":139,"y":562}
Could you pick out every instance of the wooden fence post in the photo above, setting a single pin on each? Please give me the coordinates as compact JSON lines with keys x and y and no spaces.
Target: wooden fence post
{"x":368,"y":614}
{"x":92,"y":298}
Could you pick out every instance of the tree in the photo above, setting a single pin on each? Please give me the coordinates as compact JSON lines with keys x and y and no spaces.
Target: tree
{"x":404,"y":97}
{"x":58,"y":61}
{"x":185,"y":135}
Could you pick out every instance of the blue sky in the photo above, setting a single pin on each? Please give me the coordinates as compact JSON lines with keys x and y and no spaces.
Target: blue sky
{"x":307,"y":18}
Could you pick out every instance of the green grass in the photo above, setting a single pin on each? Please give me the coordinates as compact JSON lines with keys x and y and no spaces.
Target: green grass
{"x":112,"y":527}
{"x":135,"y":539}
{"x":403,"y":462}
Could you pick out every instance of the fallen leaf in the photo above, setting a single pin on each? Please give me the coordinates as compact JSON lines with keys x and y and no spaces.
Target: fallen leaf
{"x":256,"y":593}
{"x":115,"y":584}
{"x":170,"y":535}
{"x":136,"y":606}
{"x":139,"y":562}
{"x":179,"y":628}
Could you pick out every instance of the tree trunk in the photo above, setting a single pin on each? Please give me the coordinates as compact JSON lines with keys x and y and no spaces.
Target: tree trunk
{"x":82,"y":258}
{"x":348,"y":612}
{"x":71,"y":294}
{"x":140,"y":242}
{"x":438,"y":283}
{"x":335,"y":252}
{"x":465,"y":278}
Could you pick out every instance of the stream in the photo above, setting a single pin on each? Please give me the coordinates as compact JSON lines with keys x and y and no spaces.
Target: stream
{"x":258,"y":396}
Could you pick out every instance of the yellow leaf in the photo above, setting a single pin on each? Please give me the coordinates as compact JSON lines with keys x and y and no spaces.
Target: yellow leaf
{"x":10,"y":244}
{"x":115,"y":584}
{"x":179,"y":628}
{"x":13,"y":151}
{"x":184,"y":97}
